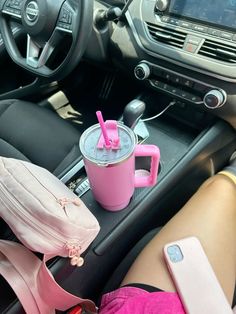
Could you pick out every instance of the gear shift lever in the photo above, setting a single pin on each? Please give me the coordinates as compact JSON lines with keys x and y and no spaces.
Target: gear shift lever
{"x":133,"y":112}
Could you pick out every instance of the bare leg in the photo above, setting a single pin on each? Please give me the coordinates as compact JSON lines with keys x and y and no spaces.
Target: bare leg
{"x":210,"y":215}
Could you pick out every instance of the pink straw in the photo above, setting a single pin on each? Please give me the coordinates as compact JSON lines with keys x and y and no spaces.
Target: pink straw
{"x":103,"y":128}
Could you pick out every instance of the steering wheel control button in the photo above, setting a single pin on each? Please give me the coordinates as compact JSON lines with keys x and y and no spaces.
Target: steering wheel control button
{"x":13,"y":7}
{"x":65,"y":16}
{"x":32,"y":11}
{"x":65,"y":19}
{"x":142,"y":71}
{"x":214,"y":99}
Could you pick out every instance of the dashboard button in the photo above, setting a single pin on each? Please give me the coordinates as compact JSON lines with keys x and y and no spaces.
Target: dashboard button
{"x":194,"y":40}
{"x":185,"y":24}
{"x":214,"y":32}
{"x":165,"y":19}
{"x":184,"y":94}
{"x":180,"y":92}
{"x":187,"y":96}
{"x":173,"y":90}
{"x":190,"y":47}
{"x":195,"y":99}
{"x":174,"y":21}
{"x":226,"y":35}
{"x":166,"y":75}
{"x":177,"y":91}
{"x":187,"y":82}
{"x":166,"y":87}
{"x":176,"y":79}
{"x":156,"y":83}
{"x":200,"y":28}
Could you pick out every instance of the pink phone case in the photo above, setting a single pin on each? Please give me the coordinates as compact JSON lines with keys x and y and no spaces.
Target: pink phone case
{"x":194,"y":278}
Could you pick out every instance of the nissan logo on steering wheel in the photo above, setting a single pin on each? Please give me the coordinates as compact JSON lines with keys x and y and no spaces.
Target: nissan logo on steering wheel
{"x":32,"y":11}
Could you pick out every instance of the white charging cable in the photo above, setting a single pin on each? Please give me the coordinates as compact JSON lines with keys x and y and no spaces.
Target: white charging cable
{"x":172,"y":103}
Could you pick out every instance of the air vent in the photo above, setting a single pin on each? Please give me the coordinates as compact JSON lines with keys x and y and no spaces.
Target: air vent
{"x":217,"y":51}
{"x":166,"y":35}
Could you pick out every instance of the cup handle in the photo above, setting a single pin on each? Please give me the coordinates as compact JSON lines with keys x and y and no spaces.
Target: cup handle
{"x":144,"y":151}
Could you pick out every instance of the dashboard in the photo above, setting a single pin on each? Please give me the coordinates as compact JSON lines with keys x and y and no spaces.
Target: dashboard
{"x":183,"y":48}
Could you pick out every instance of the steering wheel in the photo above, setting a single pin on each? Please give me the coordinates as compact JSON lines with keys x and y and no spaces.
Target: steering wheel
{"x":47,"y":24}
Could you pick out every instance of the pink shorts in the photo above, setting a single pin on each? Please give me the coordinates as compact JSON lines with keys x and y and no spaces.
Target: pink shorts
{"x":127,"y":300}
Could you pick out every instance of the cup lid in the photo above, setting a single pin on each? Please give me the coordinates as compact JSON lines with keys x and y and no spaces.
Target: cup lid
{"x":106,"y":156}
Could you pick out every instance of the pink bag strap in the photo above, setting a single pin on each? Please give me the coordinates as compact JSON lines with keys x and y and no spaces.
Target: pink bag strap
{"x":33,"y":283}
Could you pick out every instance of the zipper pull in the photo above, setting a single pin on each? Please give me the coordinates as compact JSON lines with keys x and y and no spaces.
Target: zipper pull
{"x":65,"y":201}
{"x":74,"y":254}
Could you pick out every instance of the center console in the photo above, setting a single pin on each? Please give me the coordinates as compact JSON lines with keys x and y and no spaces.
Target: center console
{"x":188,"y":154}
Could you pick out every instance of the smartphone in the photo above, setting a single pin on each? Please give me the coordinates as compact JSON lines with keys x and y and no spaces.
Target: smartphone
{"x":194,"y":278}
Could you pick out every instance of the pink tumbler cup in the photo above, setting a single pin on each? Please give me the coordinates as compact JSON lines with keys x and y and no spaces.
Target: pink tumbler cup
{"x":110,"y":163}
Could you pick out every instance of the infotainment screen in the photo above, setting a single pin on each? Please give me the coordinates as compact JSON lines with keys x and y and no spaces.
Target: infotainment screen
{"x":220,"y":12}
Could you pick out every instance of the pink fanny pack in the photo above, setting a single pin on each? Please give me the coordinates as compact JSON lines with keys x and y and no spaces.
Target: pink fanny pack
{"x":47,"y":218}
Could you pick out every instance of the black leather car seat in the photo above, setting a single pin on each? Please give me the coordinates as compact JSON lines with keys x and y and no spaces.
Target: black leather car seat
{"x":36,"y":134}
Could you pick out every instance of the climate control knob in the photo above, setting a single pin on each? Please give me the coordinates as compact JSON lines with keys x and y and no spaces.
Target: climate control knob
{"x":215,"y":99}
{"x":142,"y":71}
{"x":161,"y":5}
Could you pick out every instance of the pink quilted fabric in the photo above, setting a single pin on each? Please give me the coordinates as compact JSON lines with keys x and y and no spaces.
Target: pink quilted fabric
{"x":134,"y":300}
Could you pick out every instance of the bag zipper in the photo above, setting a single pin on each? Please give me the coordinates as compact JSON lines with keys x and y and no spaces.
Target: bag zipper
{"x":73,"y":247}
